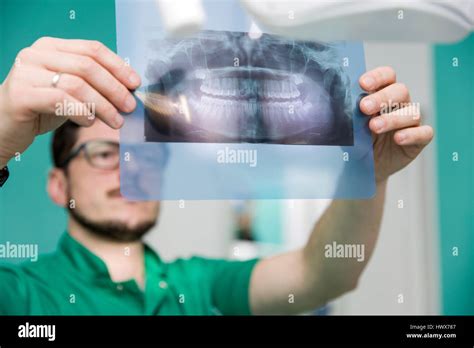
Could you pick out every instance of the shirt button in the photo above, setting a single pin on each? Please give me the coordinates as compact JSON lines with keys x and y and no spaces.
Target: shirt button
{"x":163,"y":284}
{"x":119,"y":287}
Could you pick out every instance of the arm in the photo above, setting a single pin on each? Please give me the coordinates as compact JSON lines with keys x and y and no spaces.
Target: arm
{"x":305,"y":279}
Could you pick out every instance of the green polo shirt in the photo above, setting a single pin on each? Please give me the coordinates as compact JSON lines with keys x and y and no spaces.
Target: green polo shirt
{"x":74,"y":281}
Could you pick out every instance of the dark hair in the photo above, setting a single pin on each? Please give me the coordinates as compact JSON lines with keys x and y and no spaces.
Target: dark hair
{"x":64,"y":139}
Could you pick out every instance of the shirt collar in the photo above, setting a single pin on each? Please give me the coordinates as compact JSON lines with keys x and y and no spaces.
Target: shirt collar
{"x":89,"y":264}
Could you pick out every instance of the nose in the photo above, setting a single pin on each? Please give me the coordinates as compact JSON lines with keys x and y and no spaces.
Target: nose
{"x":130,"y":162}
{"x":131,"y":170}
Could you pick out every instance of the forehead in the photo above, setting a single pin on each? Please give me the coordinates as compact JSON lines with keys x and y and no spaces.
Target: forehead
{"x":99,"y":130}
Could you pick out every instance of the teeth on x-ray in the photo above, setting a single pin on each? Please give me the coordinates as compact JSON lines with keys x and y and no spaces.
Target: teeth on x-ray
{"x":280,"y":92}
{"x":224,"y":84}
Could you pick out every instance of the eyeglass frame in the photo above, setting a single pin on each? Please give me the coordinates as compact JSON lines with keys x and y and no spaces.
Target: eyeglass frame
{"x":82,"y":147}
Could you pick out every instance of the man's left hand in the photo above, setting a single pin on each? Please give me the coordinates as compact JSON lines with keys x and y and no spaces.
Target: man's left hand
{"x":398,"y":134}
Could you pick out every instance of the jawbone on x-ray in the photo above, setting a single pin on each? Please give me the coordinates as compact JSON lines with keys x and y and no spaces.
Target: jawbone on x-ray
{"x":227,"y":87}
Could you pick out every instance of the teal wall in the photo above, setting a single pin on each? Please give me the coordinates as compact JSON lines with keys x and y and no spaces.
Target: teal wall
{"x":26,"y":213}
{"x":455,"y":131}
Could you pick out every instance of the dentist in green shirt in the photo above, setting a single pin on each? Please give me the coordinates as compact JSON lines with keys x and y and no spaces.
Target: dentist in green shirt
{"x":102,"y":266}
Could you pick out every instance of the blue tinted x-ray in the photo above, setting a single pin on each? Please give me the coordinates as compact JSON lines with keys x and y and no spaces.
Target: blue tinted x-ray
{"x":226,"y":114}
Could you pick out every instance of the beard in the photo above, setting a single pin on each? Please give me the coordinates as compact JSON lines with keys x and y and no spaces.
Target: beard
{"x":112,"y":230}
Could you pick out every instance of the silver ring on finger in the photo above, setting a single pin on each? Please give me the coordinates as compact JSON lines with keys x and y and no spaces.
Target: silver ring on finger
{"x":55,"y":80}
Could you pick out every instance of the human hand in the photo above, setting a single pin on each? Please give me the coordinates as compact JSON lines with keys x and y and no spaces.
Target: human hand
{"x":398,"y":134}
{"x":94,"y":82}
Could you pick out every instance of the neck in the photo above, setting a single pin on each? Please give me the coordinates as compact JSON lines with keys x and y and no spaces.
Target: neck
{"x":124,"y":260}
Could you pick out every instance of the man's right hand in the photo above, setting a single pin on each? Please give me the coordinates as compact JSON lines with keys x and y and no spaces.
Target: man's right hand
{"x":94,"y":82}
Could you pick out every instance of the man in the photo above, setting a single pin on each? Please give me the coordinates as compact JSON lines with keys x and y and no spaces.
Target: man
{"x":102,"y":266}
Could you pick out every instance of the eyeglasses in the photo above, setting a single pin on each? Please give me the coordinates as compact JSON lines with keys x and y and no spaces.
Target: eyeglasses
{"x":99,"y":154}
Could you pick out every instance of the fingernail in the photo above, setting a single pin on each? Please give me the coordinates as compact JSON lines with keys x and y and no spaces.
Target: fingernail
{"x":369,"y":105}
{"x":369,"y":82}
{"x":402,"y":137}
{"x":378,"y":124}
{"x":134,"y":79}
{"x":118,"y":120}
{"x":130,"y":103}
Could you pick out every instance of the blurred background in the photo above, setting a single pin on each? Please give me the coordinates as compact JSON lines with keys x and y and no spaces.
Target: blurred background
{"x":424,"y":259}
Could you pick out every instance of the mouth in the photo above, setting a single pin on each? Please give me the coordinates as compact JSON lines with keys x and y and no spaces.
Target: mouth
{"x":115,"y":194}
{"x":250,"y":83}
{"x":249,"y":92}
{"x":270,"y":100}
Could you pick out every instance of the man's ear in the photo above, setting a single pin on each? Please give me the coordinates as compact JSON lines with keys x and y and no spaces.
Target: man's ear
{"x":58,"y":187}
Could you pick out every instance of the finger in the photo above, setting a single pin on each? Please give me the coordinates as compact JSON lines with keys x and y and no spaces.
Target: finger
{"x":97,"y":51}
{"x":401,"y":118}
{"x":47,"y":101}
{"x":419,"y":136}
{"x":82,"y":91}
{"x":89,"y":70}
{"x":395,"y":96}
{"x":378,"y":78}
{"x":101,"y":107}
{"x":79,"y":89}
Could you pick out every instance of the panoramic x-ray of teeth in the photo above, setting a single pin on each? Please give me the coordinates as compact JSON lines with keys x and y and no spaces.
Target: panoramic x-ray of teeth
{"x":228,"y":87}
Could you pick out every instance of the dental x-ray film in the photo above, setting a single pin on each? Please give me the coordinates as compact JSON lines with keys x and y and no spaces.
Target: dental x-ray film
{"x":232,"y":112}
{"x":227,"y":87}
